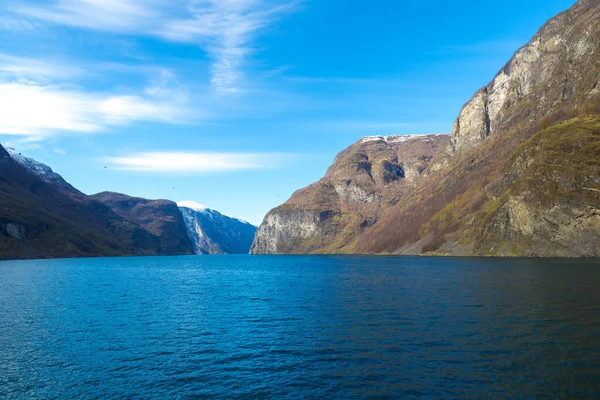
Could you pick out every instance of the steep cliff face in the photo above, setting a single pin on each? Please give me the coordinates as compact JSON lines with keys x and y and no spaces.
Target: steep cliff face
{"x":159,"y":217}
{"x":329,"y":215}
{"x":214,"y":233}
{"x":558,"y":66}
{"x":519,"y":175}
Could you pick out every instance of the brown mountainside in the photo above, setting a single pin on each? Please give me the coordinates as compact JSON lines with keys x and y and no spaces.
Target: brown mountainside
{"x":159,"y":217}
{"x":328,"y":216}
{"x":519,"y":176}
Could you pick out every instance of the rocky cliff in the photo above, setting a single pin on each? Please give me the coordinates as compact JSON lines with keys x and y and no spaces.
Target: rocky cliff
{"x":519,"y":175}
{"x":214,"y":233}
{"x":559,"y":66}
{"x":329,"y":215}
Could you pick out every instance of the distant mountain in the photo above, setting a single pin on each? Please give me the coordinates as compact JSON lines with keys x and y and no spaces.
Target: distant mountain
{"x":214,"y":233}
{"x":159,"y":217}
{"x":519,"y":176}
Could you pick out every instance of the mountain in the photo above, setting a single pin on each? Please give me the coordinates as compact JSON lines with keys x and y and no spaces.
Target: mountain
{"x":40,"y":220}
{"x":42,"y":215}
{"x":519,"y":176}
{"x":328,"y":216}
{"x":214,"y":233}
{"x":159,"y":217}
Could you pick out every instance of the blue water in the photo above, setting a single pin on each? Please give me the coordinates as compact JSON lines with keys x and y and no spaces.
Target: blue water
{"x":294,"y":327}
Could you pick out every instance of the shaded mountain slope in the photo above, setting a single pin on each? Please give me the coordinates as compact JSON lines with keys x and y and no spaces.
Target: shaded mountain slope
{"x":38,"y":220}
{"x":159,"y":217}
{"x":43,"y":216}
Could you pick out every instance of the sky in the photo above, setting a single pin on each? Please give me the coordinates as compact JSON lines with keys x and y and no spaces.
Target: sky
{"x":236,"y":104}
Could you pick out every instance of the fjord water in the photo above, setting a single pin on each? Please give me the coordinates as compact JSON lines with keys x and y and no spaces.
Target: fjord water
{"x":266,"y":327}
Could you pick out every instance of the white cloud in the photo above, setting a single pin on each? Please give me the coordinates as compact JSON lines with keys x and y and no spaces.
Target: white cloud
{"x":117,"y":109}
{"x":198,"y":162}
{"x":35,"y":110}
{"x":38,"y":98}
{"x":39,"y":111}
{"x":225,"y":29}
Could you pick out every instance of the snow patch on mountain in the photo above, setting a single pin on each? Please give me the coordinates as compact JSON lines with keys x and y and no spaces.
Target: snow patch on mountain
{"x":41,"y":170}
{"x":192,"y":205}
{"x":398,"y":138}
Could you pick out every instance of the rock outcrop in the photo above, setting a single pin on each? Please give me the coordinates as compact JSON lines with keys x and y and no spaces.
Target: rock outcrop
{"x":518,"y":177}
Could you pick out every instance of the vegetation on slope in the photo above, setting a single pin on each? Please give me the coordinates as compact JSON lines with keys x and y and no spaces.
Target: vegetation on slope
{"x":533,"y":192}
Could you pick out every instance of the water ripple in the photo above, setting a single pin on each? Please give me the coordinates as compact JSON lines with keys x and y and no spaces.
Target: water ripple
{"x":299,"y":327}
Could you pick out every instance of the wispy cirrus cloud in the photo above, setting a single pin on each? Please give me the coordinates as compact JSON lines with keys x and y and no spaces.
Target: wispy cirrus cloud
{"x":196,"y":162}
{"x":13,"y":68}
{"x":47,"y":97}
{"x":225,"y":29}
{"x":124,"y":16}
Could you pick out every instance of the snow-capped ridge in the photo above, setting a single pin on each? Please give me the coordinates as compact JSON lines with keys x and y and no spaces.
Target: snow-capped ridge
{"x":193,"y":205}
{"x":398,"y":138}
{"x":41,"y":170}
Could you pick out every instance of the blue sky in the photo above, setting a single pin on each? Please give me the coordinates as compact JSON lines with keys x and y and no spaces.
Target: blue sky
{"x":238,"y":103}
